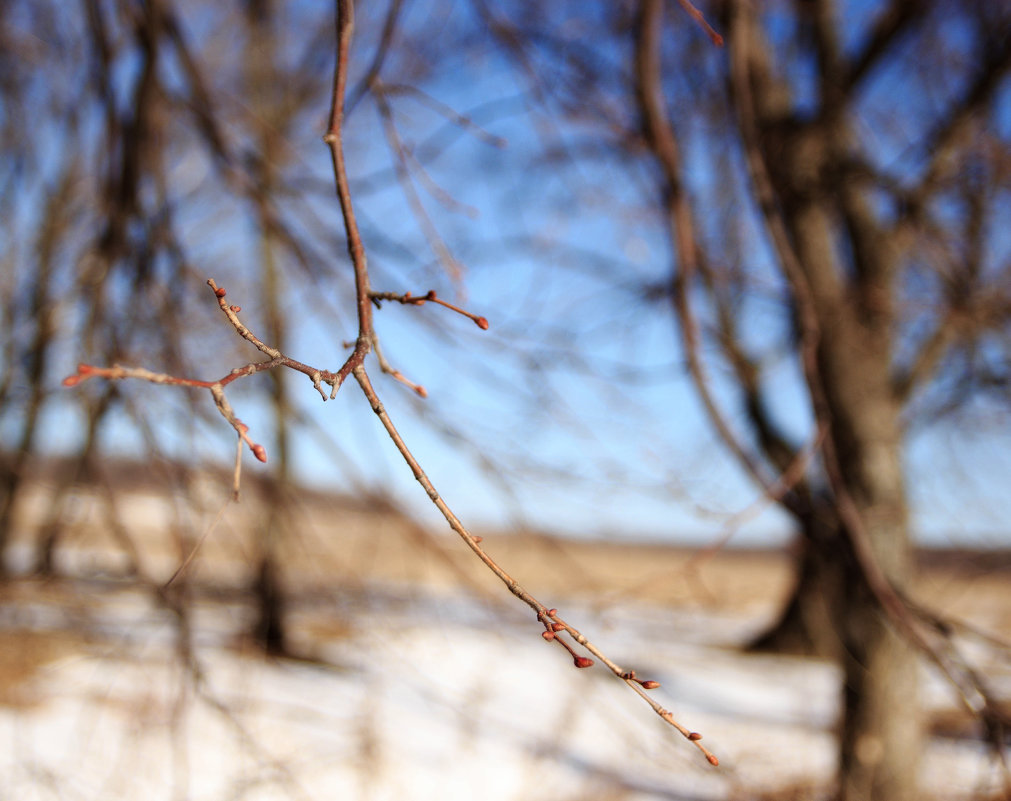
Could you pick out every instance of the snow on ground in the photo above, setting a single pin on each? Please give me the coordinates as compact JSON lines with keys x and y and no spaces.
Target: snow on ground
{"x":424,"y":697}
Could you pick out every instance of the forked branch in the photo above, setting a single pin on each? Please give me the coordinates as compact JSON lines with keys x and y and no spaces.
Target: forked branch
{"x":555,"y":629}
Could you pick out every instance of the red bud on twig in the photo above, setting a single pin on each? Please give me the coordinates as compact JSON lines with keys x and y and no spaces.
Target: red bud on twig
{"x":582,"y":662}
{"x":84,"y":371}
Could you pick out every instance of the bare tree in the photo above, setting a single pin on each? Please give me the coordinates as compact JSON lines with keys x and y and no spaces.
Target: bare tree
{"x":805,"y":228}
{"x":867,"y":237}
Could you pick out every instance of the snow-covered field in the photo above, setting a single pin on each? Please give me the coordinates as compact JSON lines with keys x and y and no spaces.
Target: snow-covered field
{"x":418,"y":695}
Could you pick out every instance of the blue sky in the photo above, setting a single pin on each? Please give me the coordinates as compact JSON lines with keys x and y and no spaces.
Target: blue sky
{"x":573,"y":412}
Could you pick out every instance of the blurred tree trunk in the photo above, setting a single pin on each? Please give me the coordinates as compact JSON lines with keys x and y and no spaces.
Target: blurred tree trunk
{"x":845,"y":306}
{"x":882,"y":736}
{"x":806,"y":625}
{"x":842,"y":309}
{"x":265,"y":97}
{"x":82,"y":464}
{"x":41,"y":315}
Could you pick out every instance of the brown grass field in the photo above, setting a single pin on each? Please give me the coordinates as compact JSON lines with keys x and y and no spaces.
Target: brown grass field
{"x":336,"y":546}
{"x":339,"y":541}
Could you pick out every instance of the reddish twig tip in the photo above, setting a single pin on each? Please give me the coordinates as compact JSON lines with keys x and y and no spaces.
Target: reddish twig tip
{"x":84,"y":371}
{"x":582,"y":661}
{"x":699,"y":17}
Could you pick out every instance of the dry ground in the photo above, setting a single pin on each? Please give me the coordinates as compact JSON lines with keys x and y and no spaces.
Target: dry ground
{"x":324,"y":559}
{"x":344,"y":541}
{"x":346,"y":544}
{"x":336,"y":547}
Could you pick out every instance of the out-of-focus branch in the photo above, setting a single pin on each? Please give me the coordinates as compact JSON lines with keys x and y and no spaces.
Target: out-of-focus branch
{"x":783,"y":456}
{"x":403,"y":173}
{"x":663,"y":141}
{"x":938,"y":146}
{"x":888,"y":27}
{"x":661,"y":138}
{"x":929,"y":355}
{"x":973,"y":693}
{"x":379,"y":57}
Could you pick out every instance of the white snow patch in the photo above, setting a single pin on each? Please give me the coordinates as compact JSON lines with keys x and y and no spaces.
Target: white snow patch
{"x":437,"y":699}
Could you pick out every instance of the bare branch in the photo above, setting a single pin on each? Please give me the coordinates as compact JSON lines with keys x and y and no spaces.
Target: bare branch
{"x":889,"y":26}
{"x":400,"y":167}
{"x":345,"y":28}
{"x":382,"y":50}
{"x":547,"y":616}
{"x":365,"y":298}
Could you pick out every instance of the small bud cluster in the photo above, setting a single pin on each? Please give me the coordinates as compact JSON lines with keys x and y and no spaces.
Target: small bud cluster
{"x":646,"y":684}
{"x":552,"y":628}
{"x":420,"y":300}
{"x":84,"y":372}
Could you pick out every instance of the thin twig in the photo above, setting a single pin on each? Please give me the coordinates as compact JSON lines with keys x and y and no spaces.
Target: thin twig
{"x":403,"y":173}
{"x":554,"y":626}
{"x":345,"y":28}
{"x":419,"y":300}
